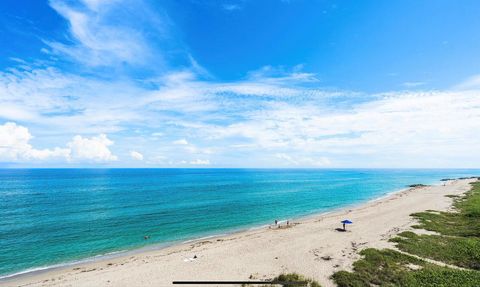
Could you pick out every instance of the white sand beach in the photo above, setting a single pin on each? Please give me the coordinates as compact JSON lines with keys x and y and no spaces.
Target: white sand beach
{"x":312,"y":247}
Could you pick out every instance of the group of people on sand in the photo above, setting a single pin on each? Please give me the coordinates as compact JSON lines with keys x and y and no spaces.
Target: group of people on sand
{"x":277,"y":223}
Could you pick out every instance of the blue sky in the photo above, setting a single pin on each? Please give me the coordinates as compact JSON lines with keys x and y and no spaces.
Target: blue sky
{"x":191,"y":83}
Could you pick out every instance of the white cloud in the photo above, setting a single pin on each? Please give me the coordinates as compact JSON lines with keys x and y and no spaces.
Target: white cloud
{"x":279,"y":75}
{"x":180,"y":142}
{"x":15,"y":146}
{"x":200,"y":162}
{"x":103,"y":36}
{"x":93,"y":149}
{"x":421,"y":127}
{"x":260,"y":115}
{"x":191,"y":148}
{"x":64,"y":102}
{"x":136,"y":155}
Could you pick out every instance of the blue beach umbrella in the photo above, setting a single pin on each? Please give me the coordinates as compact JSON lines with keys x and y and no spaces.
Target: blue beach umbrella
{"x":346,"y":221}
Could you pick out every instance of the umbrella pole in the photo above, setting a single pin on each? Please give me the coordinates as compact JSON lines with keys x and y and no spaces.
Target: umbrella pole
{"x":344,"y":227}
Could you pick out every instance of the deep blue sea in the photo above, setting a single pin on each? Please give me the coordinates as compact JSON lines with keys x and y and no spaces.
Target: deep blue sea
{"x":55,"y":216}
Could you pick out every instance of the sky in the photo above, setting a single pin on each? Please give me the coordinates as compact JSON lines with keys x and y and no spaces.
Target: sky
{"x":240,"y":83}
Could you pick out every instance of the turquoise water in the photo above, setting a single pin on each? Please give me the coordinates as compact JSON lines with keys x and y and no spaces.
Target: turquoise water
{"x":52,"y":216}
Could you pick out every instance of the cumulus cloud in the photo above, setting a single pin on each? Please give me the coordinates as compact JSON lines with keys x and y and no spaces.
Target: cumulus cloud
{"x":136,"y":155}
{"x":15,"y":146}
{"x":93,"y":149}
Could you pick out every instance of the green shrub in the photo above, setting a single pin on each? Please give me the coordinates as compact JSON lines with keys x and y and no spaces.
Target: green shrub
{"x":461,"y":251}
{"x":290,"y":277}
{"x":465,"y":222}
{"x":294,"y":277}
{"x":391,"y":268}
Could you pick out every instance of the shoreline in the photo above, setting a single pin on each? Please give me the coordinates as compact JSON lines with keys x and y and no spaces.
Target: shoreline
{"x":160,"y":246}
{"x":177,"y":247}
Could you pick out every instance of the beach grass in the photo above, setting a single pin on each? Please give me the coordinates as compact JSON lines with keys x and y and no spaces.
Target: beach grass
{"x":460,"y":251}
{"x":458,"y":239}
{"x":457,"y":242}
{"x":296,"y":279}
{"x":391,"y":268}
{"x":464,"y":222}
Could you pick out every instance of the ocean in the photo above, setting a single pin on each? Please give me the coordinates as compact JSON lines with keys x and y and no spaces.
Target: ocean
{"x":50,"y":217}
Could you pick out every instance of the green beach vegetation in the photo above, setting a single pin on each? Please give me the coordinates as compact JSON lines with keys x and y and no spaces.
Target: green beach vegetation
{"x":391,"y":268}
{"x":460,"y":251}
{"x":464,"y":222}
{"x":295,"y":279}
{"x":456,"y":242}
{"x":417,"y":185}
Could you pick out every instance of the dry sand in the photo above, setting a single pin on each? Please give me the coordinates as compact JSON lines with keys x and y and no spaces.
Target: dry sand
{"x":311,"y":247}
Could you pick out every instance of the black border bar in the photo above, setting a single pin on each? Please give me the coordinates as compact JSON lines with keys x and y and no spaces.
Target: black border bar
{"x":300,"y":283}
